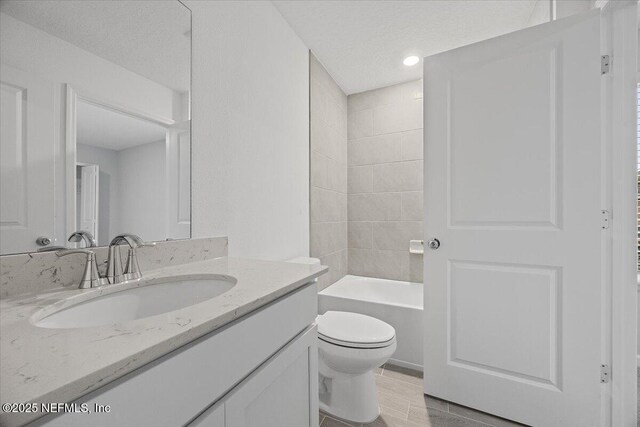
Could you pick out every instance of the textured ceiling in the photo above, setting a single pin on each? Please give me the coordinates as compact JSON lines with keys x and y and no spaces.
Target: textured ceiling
{"x":102,"y":127}
{"x":151,"y":38}
{"x":362,"y":43}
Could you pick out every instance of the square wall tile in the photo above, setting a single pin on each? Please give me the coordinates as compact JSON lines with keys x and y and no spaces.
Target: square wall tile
{"x":399,"y":117}
{"x":376,"y":263}
{"x":395,"y":235}
{"x":374,"y":207}
{"x":413,"y":110}
{"x":337,"y":263}
{"x":416,"y":268}
{"x":412,"y":206}
{"x":412,"y":90}
{"x":360,"y":124}
{"x":318,"y":170}
{"x":361,"y":101}
{"x":336,"y":176}
{"x":412,"y":145}
{"x":327,"y":205}
{"x":327,"y":237}
{"x":360,"y":179}
{"x":360,"y":235}
{"x":375,"y":150}
{"x":402,"y":176}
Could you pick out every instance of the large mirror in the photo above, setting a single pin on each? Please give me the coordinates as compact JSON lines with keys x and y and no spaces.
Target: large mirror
{"x":95,"y":122}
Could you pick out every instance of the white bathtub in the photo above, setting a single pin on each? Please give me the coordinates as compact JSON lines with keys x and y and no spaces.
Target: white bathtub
{"x":397,"y":303}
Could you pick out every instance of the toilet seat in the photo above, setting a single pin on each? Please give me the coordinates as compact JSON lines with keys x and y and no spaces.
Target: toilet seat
{"x":354,"y":330}
{"x":357,"y":345}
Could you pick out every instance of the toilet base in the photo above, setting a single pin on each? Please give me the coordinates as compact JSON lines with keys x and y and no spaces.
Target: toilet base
{"x":350,"y":397}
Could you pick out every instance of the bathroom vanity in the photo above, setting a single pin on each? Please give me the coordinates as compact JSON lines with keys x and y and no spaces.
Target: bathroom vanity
{"x":246,"y":357}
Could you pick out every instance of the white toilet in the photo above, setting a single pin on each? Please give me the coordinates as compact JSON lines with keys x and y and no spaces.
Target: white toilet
{"x":350,"y":347}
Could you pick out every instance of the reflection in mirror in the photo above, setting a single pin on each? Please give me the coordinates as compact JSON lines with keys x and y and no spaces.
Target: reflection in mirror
{"x":95,"y":121}
{"x":126,"y":169}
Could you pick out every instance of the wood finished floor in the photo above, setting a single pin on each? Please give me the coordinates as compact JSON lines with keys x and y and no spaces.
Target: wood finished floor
{"x":403,"y":404}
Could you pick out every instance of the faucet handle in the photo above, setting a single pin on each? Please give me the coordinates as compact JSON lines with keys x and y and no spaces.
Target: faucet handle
{"x":77,"y":236}
{"x":134,"y":241}
{"x":91,"y":277}
{"x":131,"y":271}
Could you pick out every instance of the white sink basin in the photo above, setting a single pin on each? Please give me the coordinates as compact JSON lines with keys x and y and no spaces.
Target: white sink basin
{"x":134,"y":303}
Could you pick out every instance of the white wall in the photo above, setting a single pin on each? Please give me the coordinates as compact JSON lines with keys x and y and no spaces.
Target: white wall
{"x":250,"y":110}
{"x":108,"y":187}
{"x":143,"y":191}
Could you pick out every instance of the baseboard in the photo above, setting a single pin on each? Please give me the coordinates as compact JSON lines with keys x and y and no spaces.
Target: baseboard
{"x":407,"y":365}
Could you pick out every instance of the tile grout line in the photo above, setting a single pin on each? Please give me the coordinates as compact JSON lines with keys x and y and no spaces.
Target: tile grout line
{"x":471,"y":419}
{"x":373,"y":135}
{"x":383,"y":192}
{"x":467,"y":418}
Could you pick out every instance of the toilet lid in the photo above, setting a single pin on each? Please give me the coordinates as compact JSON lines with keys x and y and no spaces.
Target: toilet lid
{"x":354,"y":330}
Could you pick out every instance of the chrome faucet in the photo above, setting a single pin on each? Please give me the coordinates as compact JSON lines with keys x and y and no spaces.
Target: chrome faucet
{"x":115,"y":273}
{"x":91,"y":277}
{"x":87,"y":237}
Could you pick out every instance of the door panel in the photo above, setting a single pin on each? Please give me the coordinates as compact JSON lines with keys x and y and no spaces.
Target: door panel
{"x":527,"y":348}
{"x":89,"y":199}
{"x":27,"y":153}
{"x":526,"y":150}
{"x":512,"y":191}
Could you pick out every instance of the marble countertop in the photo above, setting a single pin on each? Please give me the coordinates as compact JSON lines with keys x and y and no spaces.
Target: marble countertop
{"x":61,"y":365}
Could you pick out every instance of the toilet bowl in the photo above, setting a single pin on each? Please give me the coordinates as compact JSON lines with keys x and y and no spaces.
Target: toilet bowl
{"x":350,"y":347}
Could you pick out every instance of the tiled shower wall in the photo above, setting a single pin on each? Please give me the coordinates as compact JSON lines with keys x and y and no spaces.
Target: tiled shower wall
{"x":385,"y":181}
{"x":328,"y":155}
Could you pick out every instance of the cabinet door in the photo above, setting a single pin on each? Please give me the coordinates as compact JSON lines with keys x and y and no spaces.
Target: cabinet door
{"x":283,"y":392}
{"x":212,"y":417}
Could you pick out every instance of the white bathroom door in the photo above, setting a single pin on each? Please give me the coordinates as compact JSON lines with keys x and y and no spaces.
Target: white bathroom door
{"x":88,"y":199}
{"x":27,"y":155}
{"x":513,"y":195}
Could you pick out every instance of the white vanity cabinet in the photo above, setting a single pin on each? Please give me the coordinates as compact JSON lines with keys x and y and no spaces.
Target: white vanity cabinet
{"x":260,"y":370}
{"x":279,"y":393}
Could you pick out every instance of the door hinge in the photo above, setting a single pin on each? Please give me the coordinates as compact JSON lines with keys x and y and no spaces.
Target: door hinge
{"x":606,"y":219}
{"x":605,"y":373}
{"x":605,"y":64}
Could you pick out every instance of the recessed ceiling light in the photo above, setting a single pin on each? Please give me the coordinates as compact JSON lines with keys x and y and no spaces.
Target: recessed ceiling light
{"x":410,"y":61}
